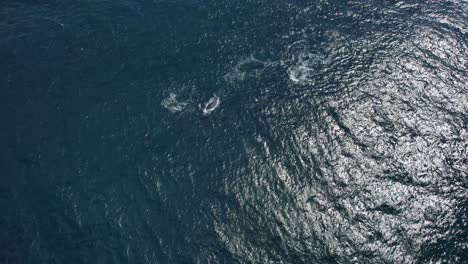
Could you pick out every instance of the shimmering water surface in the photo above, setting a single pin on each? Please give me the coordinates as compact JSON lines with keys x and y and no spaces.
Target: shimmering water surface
{"x":341,"y":137}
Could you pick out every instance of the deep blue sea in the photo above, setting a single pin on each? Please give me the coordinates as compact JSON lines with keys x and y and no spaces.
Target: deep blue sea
{"x":337,"y":131}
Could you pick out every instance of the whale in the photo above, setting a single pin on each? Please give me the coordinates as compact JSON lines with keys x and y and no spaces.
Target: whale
{"x":211,"y":105}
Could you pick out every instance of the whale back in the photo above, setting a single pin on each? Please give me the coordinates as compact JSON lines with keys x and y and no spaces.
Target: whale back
{"x":211,"y":105}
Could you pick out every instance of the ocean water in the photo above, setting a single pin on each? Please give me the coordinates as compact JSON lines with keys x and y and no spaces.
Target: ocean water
{"x":341,"y":134}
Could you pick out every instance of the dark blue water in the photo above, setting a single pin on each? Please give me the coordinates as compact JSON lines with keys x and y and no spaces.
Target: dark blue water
{"x":340,"y":137}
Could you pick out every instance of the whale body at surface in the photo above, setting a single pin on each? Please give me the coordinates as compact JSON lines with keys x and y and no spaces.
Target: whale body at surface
{"x":211,"y":105}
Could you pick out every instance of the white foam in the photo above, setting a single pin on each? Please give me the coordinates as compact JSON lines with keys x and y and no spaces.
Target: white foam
{"x":304,"y":66}
{"x":246,"y":67}
{"x":304,"y":62}
{"x":172,"y":104}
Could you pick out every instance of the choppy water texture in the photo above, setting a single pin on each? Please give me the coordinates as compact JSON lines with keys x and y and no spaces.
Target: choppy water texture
{"x":341,"y":137}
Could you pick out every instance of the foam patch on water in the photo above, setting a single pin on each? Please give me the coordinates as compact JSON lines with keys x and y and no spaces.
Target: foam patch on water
{"x":172,"y":104}
{"x":305,"y":66}
{"x":246,"y":67}
{"x":304,"y":63}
